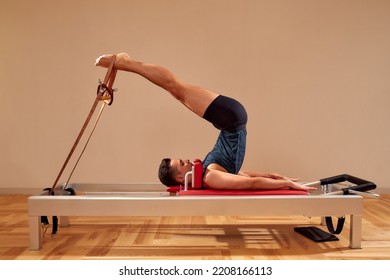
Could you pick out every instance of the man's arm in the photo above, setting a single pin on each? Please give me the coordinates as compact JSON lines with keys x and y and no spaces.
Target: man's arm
{"x":265,"y":175}
{"x":216,"y":178}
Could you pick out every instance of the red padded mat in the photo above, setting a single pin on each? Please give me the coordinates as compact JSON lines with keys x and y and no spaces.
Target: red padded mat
{"x":236,"y":192}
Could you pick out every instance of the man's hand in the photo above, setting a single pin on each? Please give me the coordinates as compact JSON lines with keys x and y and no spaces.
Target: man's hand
{"x":297,"y":186}
{"x":280,"y":177}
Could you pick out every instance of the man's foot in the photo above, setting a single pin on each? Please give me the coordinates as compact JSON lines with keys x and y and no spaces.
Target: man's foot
{"x":120,"y":62}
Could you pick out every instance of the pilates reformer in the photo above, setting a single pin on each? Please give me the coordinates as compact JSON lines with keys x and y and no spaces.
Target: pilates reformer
{"x":161,"y":203}
{"x":68,"y":199}
{"x":117,"y":200}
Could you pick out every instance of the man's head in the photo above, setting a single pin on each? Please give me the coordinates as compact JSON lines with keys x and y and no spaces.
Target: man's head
{"x":172,"y":171}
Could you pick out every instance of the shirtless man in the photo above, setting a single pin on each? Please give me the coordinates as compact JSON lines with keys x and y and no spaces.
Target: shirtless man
{"x":222,"y":165}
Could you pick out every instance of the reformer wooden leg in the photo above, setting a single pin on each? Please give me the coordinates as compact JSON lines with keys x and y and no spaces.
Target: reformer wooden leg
{"x":355,"y":237}
{"x":35,"y":233}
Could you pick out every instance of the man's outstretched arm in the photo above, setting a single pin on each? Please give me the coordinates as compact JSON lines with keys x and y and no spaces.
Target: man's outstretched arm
{"x":217,"y":179}
{"x":265,"y":175}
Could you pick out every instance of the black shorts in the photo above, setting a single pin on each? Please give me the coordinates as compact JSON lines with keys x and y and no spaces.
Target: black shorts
{"x":226,"y":114}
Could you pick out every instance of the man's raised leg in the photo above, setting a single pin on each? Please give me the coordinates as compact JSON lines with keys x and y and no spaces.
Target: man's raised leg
{"x":195,"y":98}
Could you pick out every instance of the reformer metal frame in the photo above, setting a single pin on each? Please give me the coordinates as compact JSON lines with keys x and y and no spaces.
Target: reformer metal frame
{"x":159,"y":203}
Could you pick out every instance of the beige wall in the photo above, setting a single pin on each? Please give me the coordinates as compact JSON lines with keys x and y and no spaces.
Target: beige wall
{"x":313,"y":75}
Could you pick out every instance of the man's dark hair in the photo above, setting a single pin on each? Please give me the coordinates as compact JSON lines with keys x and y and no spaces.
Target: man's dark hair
{"x":166,"y":174}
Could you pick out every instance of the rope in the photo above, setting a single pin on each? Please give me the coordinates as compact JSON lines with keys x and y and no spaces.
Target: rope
{"x":86,"y":144}
{"x":104,"y":94}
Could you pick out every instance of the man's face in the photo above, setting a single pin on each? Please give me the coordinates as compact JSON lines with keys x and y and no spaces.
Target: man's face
{"x":181,"y":167}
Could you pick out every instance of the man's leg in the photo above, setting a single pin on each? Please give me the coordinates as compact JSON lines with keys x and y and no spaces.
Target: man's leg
{"x":195,"y":98}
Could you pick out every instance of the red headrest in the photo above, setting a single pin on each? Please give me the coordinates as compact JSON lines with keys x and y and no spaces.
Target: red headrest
{"x":197,"y":176}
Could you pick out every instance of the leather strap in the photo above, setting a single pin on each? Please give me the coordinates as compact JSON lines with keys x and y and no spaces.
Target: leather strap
{"x":105,"y":94}
{"x":340,"y":225}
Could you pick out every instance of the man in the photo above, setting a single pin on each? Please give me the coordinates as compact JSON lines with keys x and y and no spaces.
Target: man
{"x":222,"y":165}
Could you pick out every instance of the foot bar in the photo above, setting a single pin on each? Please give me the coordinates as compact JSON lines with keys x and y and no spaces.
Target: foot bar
{"x":361,"y":184}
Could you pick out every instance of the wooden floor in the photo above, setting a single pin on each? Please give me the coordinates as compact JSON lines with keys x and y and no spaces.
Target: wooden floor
{"x":189,"y":238}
